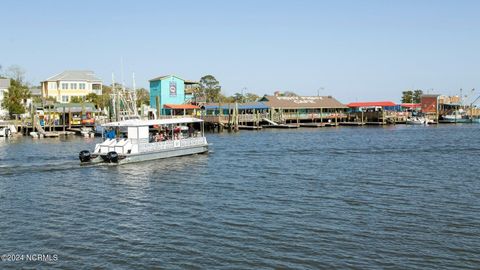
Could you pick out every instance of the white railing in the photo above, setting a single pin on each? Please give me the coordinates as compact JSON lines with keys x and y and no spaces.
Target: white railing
{"x":192,"y":142}
{"x":157,"y":146}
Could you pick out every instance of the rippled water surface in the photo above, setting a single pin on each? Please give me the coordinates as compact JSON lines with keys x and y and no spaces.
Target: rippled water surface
{"x":396,"y":197}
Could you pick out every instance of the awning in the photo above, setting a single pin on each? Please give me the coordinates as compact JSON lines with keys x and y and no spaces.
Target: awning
{"x":371,"y":104}
{"x":180,"y":106}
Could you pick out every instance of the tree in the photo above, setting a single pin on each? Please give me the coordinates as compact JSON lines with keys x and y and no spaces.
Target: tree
{"x":37,"y":99}
{"x":76,"y":99}
{"x":14,"y":98}
{"x":105,"y":98}
{"x":16,"y":72}
{"x":95,"y":99}
{"x":237,"y":97}
{"x":407,"y":96}
{"x":143,"y":97}
{"x":251,"y":97}
{"x":211,"y":88}
{"x":417,"y":96}
{"x":290,"y":94}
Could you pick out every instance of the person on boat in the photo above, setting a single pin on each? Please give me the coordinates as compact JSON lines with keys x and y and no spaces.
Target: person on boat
{"x":110,"y":134}
{"x":176,"y":132}
{"x":191,"y":130}
{"x":157,"y":137}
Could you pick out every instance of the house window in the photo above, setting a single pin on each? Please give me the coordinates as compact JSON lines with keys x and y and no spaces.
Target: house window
{"x":64,"y":85}
{"x":73,"y":86}
{"x":64,"y":98}
{"x":52,"y":86}
{"x":81,"y":86}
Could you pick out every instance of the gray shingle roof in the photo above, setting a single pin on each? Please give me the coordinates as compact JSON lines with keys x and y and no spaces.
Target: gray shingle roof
{"x":75,"y":75}
{"x":299,"y":102}
{"x":4,"y":83}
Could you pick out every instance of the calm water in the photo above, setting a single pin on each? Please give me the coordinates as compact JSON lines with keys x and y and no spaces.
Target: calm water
{"x":396,"y":197}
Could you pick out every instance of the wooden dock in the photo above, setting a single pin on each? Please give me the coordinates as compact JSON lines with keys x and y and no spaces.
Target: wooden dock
{"x":312,"y":125}
{"x":352,"y":124}
{"x":375,"y":123}
{"x":281,"y":126}
{"x":243,"y":127}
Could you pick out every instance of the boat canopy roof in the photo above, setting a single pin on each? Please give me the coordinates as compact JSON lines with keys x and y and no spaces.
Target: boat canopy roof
{"x":143,"y":123}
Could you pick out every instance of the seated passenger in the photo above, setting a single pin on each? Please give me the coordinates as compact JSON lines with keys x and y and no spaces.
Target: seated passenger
{"x":158,"y":137}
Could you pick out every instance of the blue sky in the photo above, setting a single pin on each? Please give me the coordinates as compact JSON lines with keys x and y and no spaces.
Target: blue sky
{"x":354,"y":50}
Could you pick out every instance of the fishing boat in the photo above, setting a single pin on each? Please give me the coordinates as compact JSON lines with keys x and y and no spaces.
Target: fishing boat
{"x":141,"y":140}
{"x":457,"y":116}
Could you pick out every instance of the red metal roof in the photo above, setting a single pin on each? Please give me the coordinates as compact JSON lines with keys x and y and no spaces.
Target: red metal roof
{"x":371,"y":104}
{"x":180,"y":106}
{"x":411,"y":105}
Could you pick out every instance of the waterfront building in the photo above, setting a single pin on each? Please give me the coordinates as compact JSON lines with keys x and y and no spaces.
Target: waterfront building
{"x":173,"y":95}
{"x":62,"y":87}
{"x":380,"y":112}
{"x":4,"y":85}
{"x":308,"y":108}
{"x":69,"y":114}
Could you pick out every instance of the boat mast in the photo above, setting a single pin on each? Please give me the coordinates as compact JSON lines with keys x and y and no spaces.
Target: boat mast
{"x":134,"y":96}
{"x":115,"y":101}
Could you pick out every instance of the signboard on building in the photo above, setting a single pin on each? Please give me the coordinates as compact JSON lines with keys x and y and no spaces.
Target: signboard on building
{"x":173,"y":88}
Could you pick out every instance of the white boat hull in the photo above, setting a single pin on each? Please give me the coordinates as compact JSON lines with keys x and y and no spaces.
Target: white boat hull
{"x":153,"y":155}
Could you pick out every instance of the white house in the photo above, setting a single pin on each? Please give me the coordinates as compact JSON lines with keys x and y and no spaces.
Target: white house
{"x":4,"y":85}
{"x":71,"y":83}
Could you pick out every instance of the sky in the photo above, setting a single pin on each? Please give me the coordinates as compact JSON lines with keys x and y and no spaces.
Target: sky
{"x":353,"y":50}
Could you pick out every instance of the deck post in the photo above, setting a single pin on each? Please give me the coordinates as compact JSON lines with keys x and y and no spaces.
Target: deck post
{"x":236,"y":116}
{"x":336,"y":117}
{"x":69,"y":118}
{"x":383,"y":117}
{"x":321,"y":116}
{"x":63,"y":119}
{"x":157,"y":103}
{"x":32,"y":117}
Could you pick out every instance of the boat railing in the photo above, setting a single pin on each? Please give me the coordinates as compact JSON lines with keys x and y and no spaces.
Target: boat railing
{"x":156,"y":146}
{"x":192,"y":141}
{"x":170,"y":144}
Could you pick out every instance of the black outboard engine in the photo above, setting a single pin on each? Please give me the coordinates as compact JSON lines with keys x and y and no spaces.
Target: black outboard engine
{"x":84,"y":156}
{"x":112,"y":156}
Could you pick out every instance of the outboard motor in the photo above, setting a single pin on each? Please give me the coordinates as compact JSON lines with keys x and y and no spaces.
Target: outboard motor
{"x":112,"y":156}
{"x":84,"y":156}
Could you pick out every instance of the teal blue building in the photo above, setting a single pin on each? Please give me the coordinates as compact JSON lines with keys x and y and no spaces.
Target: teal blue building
{"x":170,"y":89}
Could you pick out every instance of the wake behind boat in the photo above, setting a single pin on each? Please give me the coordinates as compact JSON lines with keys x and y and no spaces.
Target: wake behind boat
{"x":142,"y":140}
